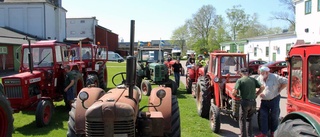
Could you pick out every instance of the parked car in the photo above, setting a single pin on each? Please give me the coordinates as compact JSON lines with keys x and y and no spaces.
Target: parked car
{"x":275,"y":66}
{"x":254,"y":65}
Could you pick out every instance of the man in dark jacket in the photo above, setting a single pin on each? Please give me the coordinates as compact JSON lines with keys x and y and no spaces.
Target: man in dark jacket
{"x":191,"y":59}
{"x":177,"y":67}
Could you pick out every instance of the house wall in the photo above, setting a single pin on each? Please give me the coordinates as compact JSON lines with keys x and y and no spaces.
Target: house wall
{"x":277,"y":46}
{"x":38,"y":19}
{"x":307,"y":21}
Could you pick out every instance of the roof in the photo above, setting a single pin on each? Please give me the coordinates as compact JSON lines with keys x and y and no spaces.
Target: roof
{"x":273,"y":36}
{"x":234,"y":42}
{"x":8,"y":36}
{"x":19,"y":1}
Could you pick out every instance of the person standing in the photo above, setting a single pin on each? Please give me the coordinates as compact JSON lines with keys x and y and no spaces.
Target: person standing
{"x":69,"y":82}
{"x":247,"y":87}
{"x":191,"y":60}
{"x":177,"y":67}
{"x":200,"y":62}
{"x":270,"y":100}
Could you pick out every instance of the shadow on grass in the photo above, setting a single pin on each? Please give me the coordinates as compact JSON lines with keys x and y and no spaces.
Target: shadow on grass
{"x":60,"y":115}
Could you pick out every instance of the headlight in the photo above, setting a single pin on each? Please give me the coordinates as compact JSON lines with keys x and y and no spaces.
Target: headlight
{"x":83,"y":96}
{"x":161,"y":93}
{"x":216,"y":79}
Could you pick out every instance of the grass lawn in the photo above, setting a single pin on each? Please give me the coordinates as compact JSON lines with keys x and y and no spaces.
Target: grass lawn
{"x":191,"y":124}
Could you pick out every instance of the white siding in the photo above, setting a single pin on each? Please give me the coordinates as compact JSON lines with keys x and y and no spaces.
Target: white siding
{"x":81,"y":27}
{"x":2,"y":17}
{"x":40,"y":19}
{"x":308,"y":21}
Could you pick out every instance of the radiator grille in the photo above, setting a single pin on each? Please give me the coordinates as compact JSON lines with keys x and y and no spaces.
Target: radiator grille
{"x":96,"y":129}
{"x":13,"y":92}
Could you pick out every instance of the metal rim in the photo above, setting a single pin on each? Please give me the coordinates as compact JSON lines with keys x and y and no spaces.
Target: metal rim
{"x":3,"y":122}
{"x":144,"y":89}
{"x":199,"y":97}
{"x":212,"y":119}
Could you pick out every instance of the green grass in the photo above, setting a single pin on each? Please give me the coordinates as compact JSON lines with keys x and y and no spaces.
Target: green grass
{"x":191,"y":124}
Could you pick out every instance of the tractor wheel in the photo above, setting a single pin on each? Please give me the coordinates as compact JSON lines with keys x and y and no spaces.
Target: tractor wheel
{"x":182,"y":72}
{"x":145,"y":87}
{"x":71,"y":122}
{"x":92,"y":80}
{"x":44,"y":113}
{"x":173,"y":86}
{"x":189,"y":85}
{"x":214,"y":117}
{"x":175,"y":118}
{"x":6,"y":122}
{"x":102,"y":82}
{"x":295,"y":128}
{"x":203,"y":101}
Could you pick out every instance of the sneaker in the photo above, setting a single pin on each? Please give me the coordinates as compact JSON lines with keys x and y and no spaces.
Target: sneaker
{"x":261,"y":135}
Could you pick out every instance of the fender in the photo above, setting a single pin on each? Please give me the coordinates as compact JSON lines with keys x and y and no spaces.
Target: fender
{"x":94,"y":94}
{"x":313,"y":119}
{"x":165,"y":107}
{"x":201,"y":71}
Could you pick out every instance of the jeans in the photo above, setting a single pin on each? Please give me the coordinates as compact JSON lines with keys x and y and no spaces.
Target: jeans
{"x":177,"y":78}
{"x":246,"y":111}
{"x":269,"y":112}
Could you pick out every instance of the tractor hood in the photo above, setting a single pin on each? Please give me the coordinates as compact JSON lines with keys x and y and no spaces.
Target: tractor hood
{"x":26,"y":77}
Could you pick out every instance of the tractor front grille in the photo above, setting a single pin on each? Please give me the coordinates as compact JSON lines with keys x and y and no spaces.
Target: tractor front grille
{"x":96,"y":129}
{"x":13,"y":92}
{"x":124,"y":127}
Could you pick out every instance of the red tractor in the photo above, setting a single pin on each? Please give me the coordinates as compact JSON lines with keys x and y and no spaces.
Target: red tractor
{"x":214,"y":89}
{"x":193,"y":73}
{"x":41,"y":77}
{"x":303,"y":101}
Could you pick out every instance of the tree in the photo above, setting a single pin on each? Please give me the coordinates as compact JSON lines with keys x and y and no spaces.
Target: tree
{"x":238,"y":21}
{"x":179,"y":36}
{"x":288,"y":16}
{"x":255,"y":29}
{"x":200,"y":26}
{"x":218,"y":34}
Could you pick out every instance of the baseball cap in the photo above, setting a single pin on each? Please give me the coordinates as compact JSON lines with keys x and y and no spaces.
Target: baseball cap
{"x":264,"y":69}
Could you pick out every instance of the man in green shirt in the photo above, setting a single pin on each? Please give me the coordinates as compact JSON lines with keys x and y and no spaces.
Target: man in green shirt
{"x":68,"y":84}
{"x":247,"y":87}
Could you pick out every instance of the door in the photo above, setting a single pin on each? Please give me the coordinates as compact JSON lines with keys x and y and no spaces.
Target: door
{"x":274,"y":56}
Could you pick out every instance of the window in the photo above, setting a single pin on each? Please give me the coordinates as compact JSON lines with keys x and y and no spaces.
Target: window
{"x":318,"y":5}
{"x":314,"y":79}
{"x":230,"y":65}
{"x":3,"y":50}
{"x":72,"y":32}
{"x":308,"y":7}
{"x":267,"y":51}
{"x":82,"y":32}
{"x":288,"y":47}
{"x":82,"y":21}
{"x":255,"y":51}
{"x":213,"y":65}
{"x":296,"y":77}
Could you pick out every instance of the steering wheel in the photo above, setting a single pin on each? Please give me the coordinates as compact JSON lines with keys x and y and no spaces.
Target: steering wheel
{"x":123,"y":76}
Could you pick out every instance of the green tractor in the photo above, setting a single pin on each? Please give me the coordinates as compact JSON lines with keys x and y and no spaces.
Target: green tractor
{"x":151,"y":69}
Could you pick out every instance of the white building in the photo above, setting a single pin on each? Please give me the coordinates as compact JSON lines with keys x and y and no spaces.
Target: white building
{"x":45,"y":19}
{"x":275,"y":47}
{"x":307,"y":20}
{"x":81,"y":27}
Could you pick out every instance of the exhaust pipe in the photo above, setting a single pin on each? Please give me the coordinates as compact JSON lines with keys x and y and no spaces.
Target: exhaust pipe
{"x":131,"y":63}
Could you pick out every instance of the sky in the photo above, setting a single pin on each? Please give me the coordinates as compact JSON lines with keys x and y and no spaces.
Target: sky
{"x":157,"y":19}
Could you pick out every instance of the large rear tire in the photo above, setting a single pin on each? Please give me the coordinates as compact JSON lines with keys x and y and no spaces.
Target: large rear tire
{"x":146,"y":87}
{"x":71,"y":123}
{"x":92,"y":80}
{"x":102,"y":82}
{"x":203,"y":100}
{"x":173,"y":86}
{"x":175,"y":118}
{"x":44,"y":113}
{"x":189,"y":85}
{"x":295,"y":128}
{"x":6,"y":122}
{"x":214,"y":117}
